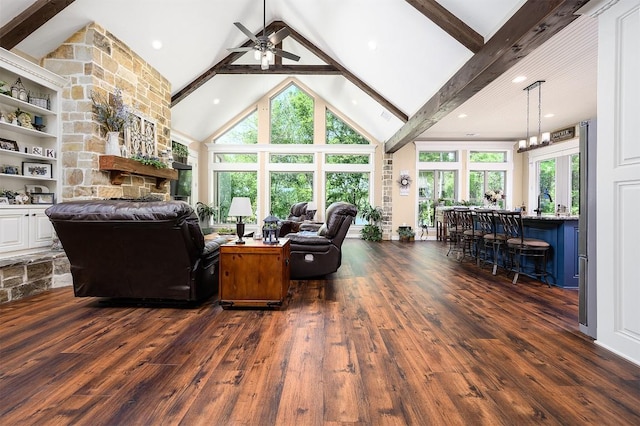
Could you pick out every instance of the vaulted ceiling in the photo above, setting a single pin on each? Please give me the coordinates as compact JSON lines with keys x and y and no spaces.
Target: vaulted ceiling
{"x":401,"y":69}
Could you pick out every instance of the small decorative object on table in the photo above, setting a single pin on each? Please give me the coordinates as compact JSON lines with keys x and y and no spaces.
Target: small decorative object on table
{"x":271,"y":229}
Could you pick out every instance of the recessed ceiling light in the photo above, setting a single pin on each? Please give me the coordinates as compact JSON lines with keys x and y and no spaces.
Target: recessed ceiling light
{"x":519,"y":79}
{"x":216,"y":101}
{"x":372,"y":45}
{"x":463,"y":115}
{"x":473,"y":134}
{"x":549,"y":115}
{"x":156,"y":44}
{"x":355,"y":102}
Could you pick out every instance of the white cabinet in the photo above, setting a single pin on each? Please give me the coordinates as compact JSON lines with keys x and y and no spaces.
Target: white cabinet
{"x":30,"y":146}
{"x":23,"y":230}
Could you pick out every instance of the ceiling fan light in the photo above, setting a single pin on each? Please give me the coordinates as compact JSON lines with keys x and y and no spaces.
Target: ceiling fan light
{"x":264,"y":63}
{"x":269,"y":55}
{"x":257,"y":54}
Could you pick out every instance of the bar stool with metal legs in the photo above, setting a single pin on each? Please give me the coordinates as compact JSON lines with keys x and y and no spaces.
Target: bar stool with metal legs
{"x":521,"y":248}
{"x":453,"y":231}
{"x":492,"y":241}
{"x":471,"y":234}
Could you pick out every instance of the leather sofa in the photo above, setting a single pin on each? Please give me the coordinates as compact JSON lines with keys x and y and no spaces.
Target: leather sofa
{"x":137,"y":249}
{"x":318,"y":253}
{"x":297,"y":215}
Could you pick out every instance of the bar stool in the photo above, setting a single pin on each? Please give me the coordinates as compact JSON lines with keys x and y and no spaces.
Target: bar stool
{"x":453,"y":233}
{"x":521,"y":248}
{"x":486,"y":219}
{"x":471,"y":234}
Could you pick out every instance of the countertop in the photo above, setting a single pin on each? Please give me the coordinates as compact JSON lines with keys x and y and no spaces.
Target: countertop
{"x":550,"y":217}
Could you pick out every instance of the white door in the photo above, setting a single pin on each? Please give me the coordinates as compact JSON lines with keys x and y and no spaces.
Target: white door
{"x":618,"y":176}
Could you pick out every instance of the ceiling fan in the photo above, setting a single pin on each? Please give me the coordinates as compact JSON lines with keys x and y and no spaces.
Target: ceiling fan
{"x":265,"y":47}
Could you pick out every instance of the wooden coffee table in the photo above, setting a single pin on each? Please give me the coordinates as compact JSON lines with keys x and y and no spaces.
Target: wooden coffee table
{"x":254,"y":274}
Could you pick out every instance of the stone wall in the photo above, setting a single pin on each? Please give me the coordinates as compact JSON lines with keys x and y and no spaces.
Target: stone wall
{"x":95,"y":60}
{"x":387,"y":196}
{"x":32,"y":274}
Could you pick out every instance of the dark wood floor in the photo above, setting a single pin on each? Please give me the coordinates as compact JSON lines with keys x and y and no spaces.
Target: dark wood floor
{"x":400,"y":335}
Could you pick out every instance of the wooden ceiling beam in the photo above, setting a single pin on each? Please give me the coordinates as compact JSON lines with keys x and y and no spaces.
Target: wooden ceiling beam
{"x":450,"y":23}
{"x":533,"y":24}
{"x":225,"y":67}
{"x":280,"y":69}
{"x":30,"y":20}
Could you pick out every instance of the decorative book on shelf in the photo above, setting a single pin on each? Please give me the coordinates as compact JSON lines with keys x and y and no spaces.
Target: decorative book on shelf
{"x":119,"y":167}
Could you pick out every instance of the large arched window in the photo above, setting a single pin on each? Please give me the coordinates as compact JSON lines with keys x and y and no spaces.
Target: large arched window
{"x":336,"y":164}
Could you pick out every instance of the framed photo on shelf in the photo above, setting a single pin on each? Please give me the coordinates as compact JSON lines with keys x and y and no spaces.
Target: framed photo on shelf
{"x":41,"y":170}
{"x":8,"y":144}
{"x":43,"y":198}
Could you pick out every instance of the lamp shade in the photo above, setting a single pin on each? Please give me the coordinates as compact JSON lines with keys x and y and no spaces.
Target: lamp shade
{"x":312,"y":206}
{"x":240,"y":206}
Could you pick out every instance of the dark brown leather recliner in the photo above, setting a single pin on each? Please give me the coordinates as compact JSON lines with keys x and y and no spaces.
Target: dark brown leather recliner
{"x":319,"y":253}
{"x":137,"y":250}
{"x":297,"y":215}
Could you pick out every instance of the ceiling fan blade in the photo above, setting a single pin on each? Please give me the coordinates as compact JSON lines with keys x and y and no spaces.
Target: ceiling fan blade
{"x":287,"y":55}
{"x":246,"y":32}
{"x":279,"y":36}
{"x":240,"y":49}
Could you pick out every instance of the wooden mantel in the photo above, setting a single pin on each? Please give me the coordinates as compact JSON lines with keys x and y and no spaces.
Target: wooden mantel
{"x":119,"y":167}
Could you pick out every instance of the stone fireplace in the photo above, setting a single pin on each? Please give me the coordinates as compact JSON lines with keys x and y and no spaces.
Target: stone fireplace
{"x":95,"y":60}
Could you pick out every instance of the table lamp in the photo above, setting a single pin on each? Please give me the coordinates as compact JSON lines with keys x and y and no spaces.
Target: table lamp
{"x":240,"y":206}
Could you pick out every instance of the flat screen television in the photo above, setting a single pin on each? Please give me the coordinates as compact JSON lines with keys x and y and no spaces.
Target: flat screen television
{"x":181,"y":188}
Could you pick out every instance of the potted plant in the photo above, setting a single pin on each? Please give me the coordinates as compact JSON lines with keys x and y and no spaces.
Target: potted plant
{"x":371,"y":231}
{"x":406,"y":234}
{"x":113,"y":116}
{"x":205,"y":213}
{"x":180,"y":152}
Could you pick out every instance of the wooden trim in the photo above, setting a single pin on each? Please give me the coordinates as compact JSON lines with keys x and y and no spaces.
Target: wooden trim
{"x":30,"y":20}
{"x":450,"y":23}
{"x":533,"y":24}
{"x":119,"y":167}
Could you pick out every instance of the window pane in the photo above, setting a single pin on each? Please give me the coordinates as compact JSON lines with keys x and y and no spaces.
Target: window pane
{"x":245,"y":132}
{"x":547,"y":186}
{"x":339,"y":132}
{"x":291,"y":158}
{"x":488,"y":157}
{"x":349,"y":187}
{"x":234,"y":184}
{"x":288,"y":189}
{"x":426,"y":184}
{"x":235,"y":158}
{"x":447,"y":184}
{"x":292,"y":117}
{"x":575,"y":184}
{"x":476,"y":187}
{"x":438,"y":156}
{"x":347,"y":159}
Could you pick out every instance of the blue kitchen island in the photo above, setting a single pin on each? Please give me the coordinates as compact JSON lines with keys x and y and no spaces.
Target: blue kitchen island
{"x":561,"y":232}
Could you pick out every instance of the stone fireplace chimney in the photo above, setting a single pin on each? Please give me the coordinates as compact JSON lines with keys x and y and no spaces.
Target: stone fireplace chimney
{"x":94,"y":59}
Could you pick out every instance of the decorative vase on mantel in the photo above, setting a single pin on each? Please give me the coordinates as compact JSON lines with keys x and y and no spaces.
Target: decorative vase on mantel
{"x":113,"y":144}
